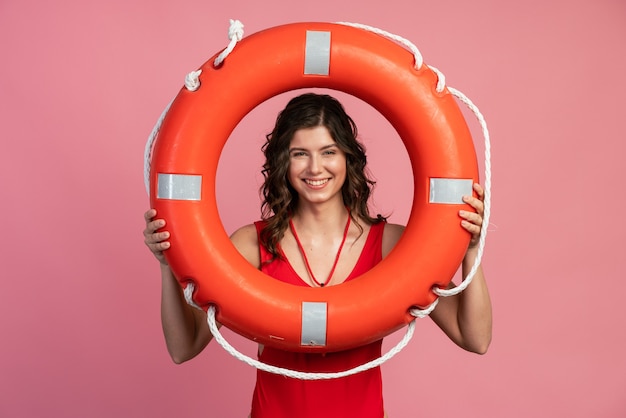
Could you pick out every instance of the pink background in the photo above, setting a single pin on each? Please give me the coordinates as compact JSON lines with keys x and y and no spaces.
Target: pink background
{"x":82,"y":84}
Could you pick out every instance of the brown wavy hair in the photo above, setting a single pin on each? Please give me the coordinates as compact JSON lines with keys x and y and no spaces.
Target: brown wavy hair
{"x":280,"y":199}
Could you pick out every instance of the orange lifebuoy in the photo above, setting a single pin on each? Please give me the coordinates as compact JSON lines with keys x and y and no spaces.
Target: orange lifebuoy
{"x":198,"y":124}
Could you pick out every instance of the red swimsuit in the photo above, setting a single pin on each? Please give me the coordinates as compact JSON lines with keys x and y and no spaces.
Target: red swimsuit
{"x":358,"y":395}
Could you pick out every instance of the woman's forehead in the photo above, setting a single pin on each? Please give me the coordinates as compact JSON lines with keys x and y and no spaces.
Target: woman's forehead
{"x":316,"y":137}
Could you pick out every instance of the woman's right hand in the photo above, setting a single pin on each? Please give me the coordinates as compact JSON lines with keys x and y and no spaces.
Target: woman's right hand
{"x":156,"y":241}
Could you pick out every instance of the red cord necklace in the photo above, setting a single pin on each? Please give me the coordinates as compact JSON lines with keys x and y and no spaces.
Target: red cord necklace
{"x":306,"y":260}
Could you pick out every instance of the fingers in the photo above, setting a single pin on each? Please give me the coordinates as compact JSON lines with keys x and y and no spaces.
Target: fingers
{"x":152,"y":224}
{"x":154,"y":239}
{"x":158,"y":238}
{"x":476,"y":202}
{"x":479,"y":191}
{"x":151,"y":235}
{"x":472,"y":221}
{"x":150,"y":213}
{"x":158,"y":246}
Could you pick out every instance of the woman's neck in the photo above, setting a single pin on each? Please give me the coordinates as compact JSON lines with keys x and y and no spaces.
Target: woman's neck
{"x":316,"y":216}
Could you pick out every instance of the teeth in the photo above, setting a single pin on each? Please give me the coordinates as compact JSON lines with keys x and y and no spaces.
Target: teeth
{"x":316,"y":182}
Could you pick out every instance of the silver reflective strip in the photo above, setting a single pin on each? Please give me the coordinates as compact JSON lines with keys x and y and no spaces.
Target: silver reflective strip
{"x":450,"y":191}
{"x":179,"y":186}
{"x":317,"y":53}
{"x":313,"y":323}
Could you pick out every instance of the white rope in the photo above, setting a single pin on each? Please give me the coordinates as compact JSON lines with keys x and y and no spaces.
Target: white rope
{"x":192,"y":80}
{"x":441,"y":84}
{"x":441,"y":79}
{"x":303,"y":375}
{"x":192,"y":83}
{"x":188,"y":292}
{"x":419,"y":60}
{"x":423,"y":313}
{"x":147,"y":154}
{"x":486,"y":200}
{"x":235,"y":34}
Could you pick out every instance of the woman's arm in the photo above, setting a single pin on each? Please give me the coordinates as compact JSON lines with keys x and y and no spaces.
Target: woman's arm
{"x":467,"y":317}
{"x":184,"y":327}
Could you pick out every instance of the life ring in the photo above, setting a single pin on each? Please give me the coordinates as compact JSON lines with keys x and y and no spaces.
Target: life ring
{"x":314,"y":55}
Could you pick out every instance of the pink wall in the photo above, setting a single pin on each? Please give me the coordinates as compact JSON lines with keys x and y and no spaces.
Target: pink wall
{"x":80,"y":89}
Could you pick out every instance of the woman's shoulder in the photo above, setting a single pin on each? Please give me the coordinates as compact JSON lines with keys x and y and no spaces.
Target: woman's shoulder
{"x":245,"y":236}
{"x":245,"y":240}
{"x":391,"y":235}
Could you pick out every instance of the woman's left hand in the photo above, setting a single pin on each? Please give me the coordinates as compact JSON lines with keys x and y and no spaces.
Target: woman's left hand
{"x":473,"y":221}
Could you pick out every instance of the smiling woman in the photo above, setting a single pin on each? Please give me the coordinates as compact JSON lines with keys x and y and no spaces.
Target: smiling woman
{"x":322,"y":174}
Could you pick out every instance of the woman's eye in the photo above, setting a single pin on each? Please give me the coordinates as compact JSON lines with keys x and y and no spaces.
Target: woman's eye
{"x":298,"y":154}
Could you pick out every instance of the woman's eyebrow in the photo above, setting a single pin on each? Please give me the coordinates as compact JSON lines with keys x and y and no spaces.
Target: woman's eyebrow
{"x":325,"y":147}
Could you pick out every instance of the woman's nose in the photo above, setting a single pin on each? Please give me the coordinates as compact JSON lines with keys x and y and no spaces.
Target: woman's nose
{"x":315,"y":164}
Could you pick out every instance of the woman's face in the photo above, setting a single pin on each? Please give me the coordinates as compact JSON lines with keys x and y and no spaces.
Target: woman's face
{"x":317,"y":167}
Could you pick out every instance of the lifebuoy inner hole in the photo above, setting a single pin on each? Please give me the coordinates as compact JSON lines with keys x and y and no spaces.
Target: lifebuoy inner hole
{"x":239,"y":176}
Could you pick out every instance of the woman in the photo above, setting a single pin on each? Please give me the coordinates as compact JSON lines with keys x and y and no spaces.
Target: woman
{"x":317,"y":231}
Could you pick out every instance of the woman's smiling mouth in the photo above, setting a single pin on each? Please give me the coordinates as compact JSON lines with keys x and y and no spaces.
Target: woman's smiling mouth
{"x":320,"y":182}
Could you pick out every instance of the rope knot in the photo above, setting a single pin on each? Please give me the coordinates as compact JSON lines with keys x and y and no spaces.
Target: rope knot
{"x":235,"y":30}
{"x":235,"y":34}
{"x":192,"y":80}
